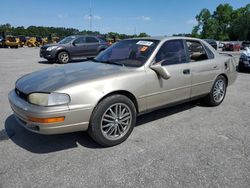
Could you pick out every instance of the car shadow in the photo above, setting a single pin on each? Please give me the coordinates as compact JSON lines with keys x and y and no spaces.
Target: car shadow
{"x":41,"y":144}
{"x":165,"y":112}
{"x":55,"y":62}
{"x":37,"y":143}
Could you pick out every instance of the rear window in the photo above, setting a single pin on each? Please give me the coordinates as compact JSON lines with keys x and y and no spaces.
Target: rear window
{"x":210,"y":54}
{"x":196,"y":51}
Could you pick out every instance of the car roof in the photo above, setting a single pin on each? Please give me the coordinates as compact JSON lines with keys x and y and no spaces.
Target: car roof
{"x":82,"y":36}
{"x":163,"y":38}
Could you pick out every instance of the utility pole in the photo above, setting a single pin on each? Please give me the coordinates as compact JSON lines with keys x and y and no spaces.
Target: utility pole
{"x":90,"y":15}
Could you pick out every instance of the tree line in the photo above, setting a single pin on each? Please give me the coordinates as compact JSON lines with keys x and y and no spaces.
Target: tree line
{"x":60,"y":32}
{"x":225,"y":23}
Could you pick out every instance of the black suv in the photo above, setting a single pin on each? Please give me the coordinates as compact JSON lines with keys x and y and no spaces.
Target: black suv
{"x":75,"y":46}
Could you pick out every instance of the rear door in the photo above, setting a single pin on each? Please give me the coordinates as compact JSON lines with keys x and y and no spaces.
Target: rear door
{"x":92,"y":45}
{"x":203,"y":67}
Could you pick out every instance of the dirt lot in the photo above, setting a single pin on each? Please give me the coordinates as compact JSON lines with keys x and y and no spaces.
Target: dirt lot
{"x":185,"y":146}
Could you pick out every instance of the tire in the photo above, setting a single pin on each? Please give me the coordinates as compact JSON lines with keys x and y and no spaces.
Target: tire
{"x":107,"y":126}
{"x":218,"y":92}
{"x":63,"y":57}
{"x":240,"y":68}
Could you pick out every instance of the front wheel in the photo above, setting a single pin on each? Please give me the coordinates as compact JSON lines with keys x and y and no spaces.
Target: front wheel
{"x":112,"y":120}
{"x":63,"y":57}
{"x":218,"y":92}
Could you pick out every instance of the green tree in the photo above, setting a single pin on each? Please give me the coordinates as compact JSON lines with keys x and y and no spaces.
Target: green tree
{"x":143,"y":35}
{"x":223,"y":17}
{"x":224,"y":24}
{"x":240,"y":26}
{"x":206,"y":25}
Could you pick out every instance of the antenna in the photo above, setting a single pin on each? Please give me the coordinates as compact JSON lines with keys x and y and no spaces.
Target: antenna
{"x":90,"y":15}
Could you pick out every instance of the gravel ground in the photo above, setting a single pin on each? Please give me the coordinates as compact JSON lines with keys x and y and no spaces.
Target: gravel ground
{"x":189,"y":145}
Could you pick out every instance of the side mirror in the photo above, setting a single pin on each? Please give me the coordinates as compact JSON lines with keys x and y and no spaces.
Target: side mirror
{"x":73,"y":43}
{"x":161,"y":70}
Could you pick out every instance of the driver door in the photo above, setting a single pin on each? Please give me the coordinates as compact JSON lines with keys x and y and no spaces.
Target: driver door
{"x":79,"y":47}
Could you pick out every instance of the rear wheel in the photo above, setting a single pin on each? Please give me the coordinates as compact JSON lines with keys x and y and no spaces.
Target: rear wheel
{"x":63,"y":57}
{"x":218,"y":92}
{"x":112,"y":120}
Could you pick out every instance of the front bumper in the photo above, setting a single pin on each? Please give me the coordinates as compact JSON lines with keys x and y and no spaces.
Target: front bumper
{"x":245,"y":64}
{"x":75,"y":119}
{"x":47,"y":54}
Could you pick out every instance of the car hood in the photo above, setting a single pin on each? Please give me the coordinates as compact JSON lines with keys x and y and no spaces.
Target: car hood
{"x":56,"y":44}
{"x":52,"y":79}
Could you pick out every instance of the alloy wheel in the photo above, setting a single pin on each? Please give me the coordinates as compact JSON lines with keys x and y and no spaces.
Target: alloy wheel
{"x":116,"y":121}
{"x":219,"y":90}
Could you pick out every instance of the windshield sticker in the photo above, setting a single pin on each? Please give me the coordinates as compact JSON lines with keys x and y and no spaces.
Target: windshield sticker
{"x":144,"y":43}
{"x":144,"y":48}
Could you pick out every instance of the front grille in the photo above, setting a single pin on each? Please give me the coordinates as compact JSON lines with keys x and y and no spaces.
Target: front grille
{"x":43,"y":51}
{"x":21,"y":94}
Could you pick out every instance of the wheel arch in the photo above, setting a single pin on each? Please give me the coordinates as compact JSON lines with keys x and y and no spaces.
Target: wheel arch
{"x":225,"y":76}
{"x":125,"y":93}
{"x":62,"y":50}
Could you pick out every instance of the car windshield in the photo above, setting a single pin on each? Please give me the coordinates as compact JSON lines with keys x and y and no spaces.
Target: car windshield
{"x":67,"y":40}
{"x":132,"y":52}
{"x":246,"y":43}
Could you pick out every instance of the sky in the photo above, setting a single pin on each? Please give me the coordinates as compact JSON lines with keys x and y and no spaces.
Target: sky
{"x":155,"y":17}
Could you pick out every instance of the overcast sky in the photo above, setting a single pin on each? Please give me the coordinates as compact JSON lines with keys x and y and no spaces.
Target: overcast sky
{"x":155,"y":17}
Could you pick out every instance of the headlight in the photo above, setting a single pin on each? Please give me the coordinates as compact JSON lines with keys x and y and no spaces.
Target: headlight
{"x":48,"y":99}
{"x":244,"y":57}
{"x":51,"y":48}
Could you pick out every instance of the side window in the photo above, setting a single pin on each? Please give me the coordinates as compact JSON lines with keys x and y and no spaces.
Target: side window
{"x":91,"y":40}
{"x":196,"y":51}
{"x":80,"y":40}
{"x":171,"y":52}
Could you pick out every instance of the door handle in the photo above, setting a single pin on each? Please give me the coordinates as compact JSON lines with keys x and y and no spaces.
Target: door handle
{"x":186,"y":71}
{"x":215,"y":67}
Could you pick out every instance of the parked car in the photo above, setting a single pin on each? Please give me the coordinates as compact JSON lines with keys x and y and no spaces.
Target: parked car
{"x":212,"y":42}
{"x":1,"y":43}
{"x":221,"y":45}
{"x":245,"y":44}
{"x":231,"y":47}
{"x":244,"y":62}
{"x":73,"y":47}
{"x":131,"y":77}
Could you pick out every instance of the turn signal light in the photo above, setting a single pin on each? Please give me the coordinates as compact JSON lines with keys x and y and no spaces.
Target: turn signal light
{"x":47,"y":120}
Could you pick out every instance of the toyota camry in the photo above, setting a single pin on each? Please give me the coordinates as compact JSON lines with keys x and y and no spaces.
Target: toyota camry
{"x":105,"y":95}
